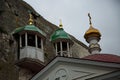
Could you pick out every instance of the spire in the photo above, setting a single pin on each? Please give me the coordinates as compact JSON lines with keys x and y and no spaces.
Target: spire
{"x":60,"y":25}
{"x":30,"y":19}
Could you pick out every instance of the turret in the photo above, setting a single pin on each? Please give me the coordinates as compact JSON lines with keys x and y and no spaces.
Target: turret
{"x":30,"y":41}
{"x":92,"y":36}
{"x":61,"y":41}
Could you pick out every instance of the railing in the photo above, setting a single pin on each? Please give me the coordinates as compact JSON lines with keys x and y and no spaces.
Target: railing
{"x":32,"y":52}
{"x":63,"y":53}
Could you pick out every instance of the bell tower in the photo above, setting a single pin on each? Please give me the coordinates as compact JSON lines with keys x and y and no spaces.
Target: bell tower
{"x":30,"y":41}
{"x":93,"y":36}
{"x":61,"y":41}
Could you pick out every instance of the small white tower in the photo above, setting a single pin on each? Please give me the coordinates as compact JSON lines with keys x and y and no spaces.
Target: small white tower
{"x":61,"y":41}
{"x":92,"y":36}
{"x":30,"y":41}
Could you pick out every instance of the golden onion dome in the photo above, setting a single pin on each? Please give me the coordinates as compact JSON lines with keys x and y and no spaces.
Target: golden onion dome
{"x":92,"y":32}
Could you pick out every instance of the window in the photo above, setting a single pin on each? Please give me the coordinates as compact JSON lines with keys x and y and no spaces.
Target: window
{"x":64,"y":45}
{"x":31,"y":40}
{"x":39,"y":42}
{"x":58,"y":48}
{"x":23,"y":40}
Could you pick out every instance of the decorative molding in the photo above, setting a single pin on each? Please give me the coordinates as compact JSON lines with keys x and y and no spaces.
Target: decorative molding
{"x":80,"y":74}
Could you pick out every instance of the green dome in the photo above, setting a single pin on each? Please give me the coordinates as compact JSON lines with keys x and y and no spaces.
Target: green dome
{"x":28,"y":28}
{"x":59,"y":34}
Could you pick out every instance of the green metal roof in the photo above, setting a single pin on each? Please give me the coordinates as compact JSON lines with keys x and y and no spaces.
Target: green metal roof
{"x":28,"y":28}
{"x":59,"y":34}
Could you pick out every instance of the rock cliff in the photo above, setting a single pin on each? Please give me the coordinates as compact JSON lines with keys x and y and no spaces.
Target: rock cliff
{"x":13,"y":14}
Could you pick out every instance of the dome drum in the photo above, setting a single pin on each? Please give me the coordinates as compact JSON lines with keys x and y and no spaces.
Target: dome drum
{"x":94,"y":50}
{"x":92,"y":36}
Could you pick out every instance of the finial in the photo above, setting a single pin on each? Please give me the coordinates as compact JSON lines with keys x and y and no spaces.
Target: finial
{"x":60,"y":25}
{"x":89,"y":19}
{"x":30,"y":19}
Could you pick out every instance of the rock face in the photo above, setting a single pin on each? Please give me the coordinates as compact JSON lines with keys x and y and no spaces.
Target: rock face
{"x":13,"y":14}
{"x":8,"y":70}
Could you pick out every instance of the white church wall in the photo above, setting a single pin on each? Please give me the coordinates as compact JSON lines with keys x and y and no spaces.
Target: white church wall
{"x":70,"y":71}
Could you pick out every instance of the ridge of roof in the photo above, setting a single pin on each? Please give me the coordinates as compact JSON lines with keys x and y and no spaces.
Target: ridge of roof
{"x":104,"y":58}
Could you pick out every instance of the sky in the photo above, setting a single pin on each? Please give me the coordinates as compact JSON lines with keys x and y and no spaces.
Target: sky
{"x":105,"y":16}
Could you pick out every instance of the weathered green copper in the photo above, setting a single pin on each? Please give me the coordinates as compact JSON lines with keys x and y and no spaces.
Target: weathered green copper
{"x":28,"y":28}
{"x":59,"y":34}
